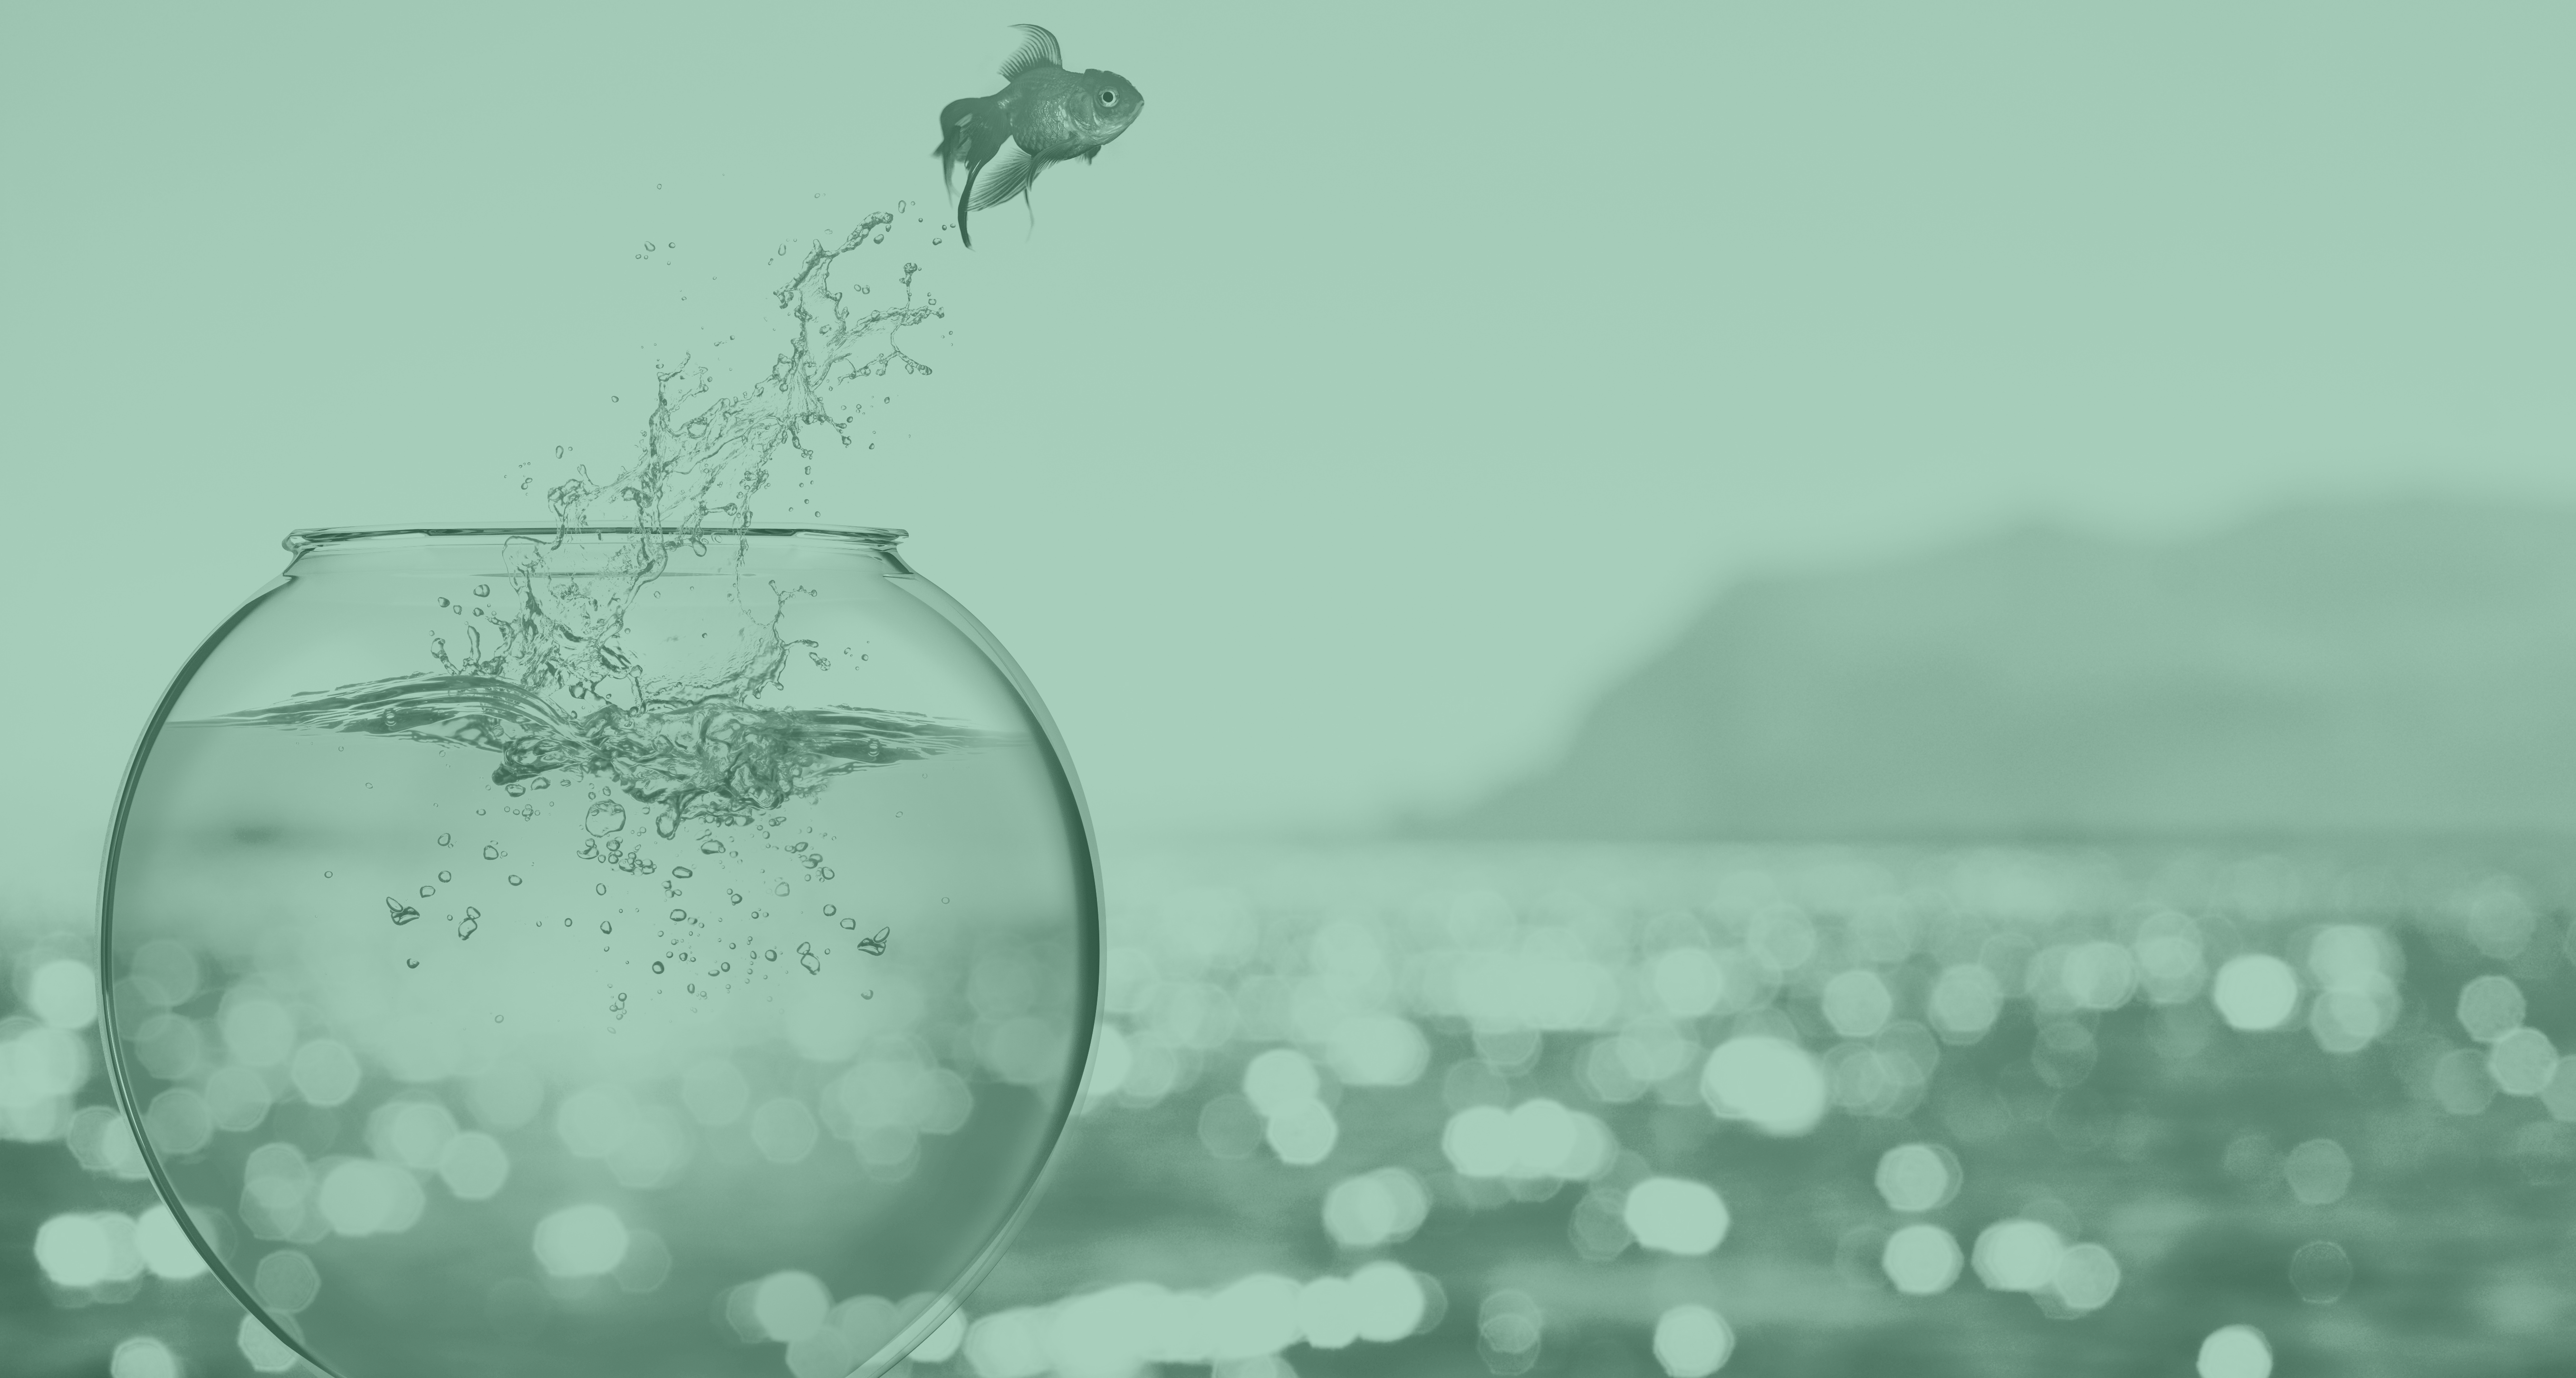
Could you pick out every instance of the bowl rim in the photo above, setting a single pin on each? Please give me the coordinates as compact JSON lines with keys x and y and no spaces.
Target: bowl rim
{"x":304,"y":540}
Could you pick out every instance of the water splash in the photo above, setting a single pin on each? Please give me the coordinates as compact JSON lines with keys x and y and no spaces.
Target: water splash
{"x":557,"y":687}
{"x":703,"y":459}
{"x":717,"y":759}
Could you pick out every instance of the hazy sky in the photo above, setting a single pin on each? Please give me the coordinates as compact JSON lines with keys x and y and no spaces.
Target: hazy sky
{"x":1400,"y":377}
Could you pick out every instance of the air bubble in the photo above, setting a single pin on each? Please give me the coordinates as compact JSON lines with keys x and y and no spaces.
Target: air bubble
{"x":782,"y":887}
{"x":428,"y":890}
{"x":606,"y":927}
{"x":605,"y":817}
{"x":681,"y":873}
{"x":813,"y":965}
{"x":446,"y":876}
{"x":771,"y":954}
{"x":466,"y":929}
{"x":875,"y":943}
{"x":399,"y":912}
{"x":491,"y":851}
{"x":851,"y":922}
{"x":445,"y":838}
{"x":600,"y":889}
{"x":657,"y":968}
{"x":830,"y":909}
{"x":679,"y":916}
{"x":710,"y":846}
{"x":514,"y":789}
{"x":482,"y":590}
{"x":412,"y":962}
{"x":514,"y":880}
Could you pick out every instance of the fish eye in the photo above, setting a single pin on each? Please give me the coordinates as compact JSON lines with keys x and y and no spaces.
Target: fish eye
{"x":1108,"y":98}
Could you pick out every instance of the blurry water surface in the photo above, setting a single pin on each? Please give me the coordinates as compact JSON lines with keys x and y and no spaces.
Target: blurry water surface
{"x":1431,"y":1110}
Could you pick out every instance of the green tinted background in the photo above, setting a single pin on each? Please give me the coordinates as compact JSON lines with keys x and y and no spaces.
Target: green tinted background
{"x":1405,"y":374}
{"x":1404,"y":378}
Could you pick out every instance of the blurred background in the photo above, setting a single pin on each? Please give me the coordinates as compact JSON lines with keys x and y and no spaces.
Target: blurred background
{"x":1817,"y":689}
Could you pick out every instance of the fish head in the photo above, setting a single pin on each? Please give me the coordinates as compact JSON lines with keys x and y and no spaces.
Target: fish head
{"x":1105,"y":103}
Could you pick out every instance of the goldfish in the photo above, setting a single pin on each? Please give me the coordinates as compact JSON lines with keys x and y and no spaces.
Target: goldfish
{"x":1046,"y":115}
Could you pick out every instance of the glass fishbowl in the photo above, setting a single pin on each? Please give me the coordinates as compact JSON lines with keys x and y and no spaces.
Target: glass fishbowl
{"x":541,"y":951}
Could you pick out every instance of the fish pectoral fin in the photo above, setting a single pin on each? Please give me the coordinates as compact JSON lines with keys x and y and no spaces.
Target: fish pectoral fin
{"x":1039,"y":49}
{"x":1009,"y":174}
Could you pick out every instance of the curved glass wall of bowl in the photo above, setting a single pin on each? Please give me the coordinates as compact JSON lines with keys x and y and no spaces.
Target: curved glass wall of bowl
{"x":667,"y":953}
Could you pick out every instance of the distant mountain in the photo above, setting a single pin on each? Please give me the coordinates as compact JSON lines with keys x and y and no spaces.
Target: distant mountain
{"x":2365,"y":668}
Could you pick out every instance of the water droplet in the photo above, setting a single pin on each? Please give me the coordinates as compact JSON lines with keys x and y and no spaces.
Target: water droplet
{"x":605,"y":817}
{"x":657,"y":968}
{"x":399,"y":912}
{"x":681,"y":873}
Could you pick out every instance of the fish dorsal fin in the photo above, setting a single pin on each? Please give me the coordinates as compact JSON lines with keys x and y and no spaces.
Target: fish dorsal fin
{"x":1008,"y":175}
{"x":1039,"y":49}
